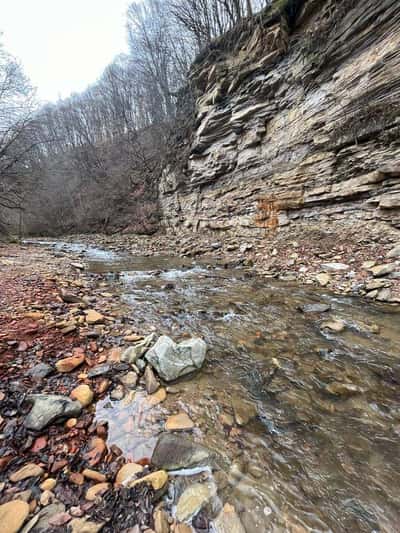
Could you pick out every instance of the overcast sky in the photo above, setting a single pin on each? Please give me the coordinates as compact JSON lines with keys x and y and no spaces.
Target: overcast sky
{"x":64,"y":45}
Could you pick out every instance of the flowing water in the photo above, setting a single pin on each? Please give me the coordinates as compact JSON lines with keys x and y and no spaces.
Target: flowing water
{"x":320,"y":455}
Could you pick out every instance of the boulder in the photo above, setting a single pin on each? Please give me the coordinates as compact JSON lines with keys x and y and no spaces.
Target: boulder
{"x":173,"y":452}
{"x":172,"y":361}
{"x":48,"y":409}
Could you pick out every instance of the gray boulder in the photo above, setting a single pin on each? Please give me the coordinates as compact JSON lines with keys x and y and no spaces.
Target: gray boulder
{"x":50,"y":408}
{"x":172,"y":360}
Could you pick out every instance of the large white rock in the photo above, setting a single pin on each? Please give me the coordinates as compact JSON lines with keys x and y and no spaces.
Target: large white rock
{"x":172,"y":360}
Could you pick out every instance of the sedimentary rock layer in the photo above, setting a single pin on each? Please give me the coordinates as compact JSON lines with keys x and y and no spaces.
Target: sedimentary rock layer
{"x":298,"y":119}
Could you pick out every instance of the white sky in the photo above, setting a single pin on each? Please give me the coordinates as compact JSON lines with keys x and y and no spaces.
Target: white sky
{"x":63,"y":45}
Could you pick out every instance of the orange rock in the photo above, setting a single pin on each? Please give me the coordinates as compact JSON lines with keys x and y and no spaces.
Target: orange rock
{"x":179,"y":422}
{"x":158,"y":397}
{"x":76,"y":478}
{"x":128,"y":472}
{"x":70,"y":363}
{"x":95,"y":476}
{"x":71,"y":423}
{"x":96,"y":491}
{"x":93,"y":317}
{"x":84,"y":395}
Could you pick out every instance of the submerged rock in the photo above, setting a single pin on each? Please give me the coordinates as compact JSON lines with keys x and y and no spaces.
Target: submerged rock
{"x":172,"y":360}
{"x":193,"y":499}
{"x":174,"y":452}
{"x":228,"y":521}
{"x":50,"y":408}
{"x":344,"y":389}
{"x":314,"y":308}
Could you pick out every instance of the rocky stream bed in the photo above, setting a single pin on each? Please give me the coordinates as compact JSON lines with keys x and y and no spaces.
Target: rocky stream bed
{"x":144,"y":392}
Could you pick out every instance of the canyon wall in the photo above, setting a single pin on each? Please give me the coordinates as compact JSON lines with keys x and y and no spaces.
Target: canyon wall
{"x":297,"y":121}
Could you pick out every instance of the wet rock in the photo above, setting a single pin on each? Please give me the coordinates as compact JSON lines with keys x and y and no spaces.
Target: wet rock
{"x":97,"y":490}
{"x":228,"y":521}
{"x":40,"y":371}
{"x":129,"y":380}
{"x":384,"y":295}
{"x":128,"y":473}
{"x":96,"y":450}
{"x":13,"y":515}
{"x":193,"y":499}
{"x":99,"y":370}
{"x":69,"y":364}
{"x":158,"y":397}
{"x":69,"y":297}
{"x":172,"y":360}
{"x":152,"y":384}
{"x":84,"y":525}
{"x":344,"y":389}
{"x":383,"y":270}
{"x":335,"y":325}
{"x":93,"y":317}
{"x":173,"y":452}
{"x":314,"y":308}
{"x":84,"y":395}
{"x":161,"y":524}
{"x":243,"y":411}
{"x":132,"y":354}
{"x":179,"y":422}
{"x":48,"y":409}
{"x":157,"y":480}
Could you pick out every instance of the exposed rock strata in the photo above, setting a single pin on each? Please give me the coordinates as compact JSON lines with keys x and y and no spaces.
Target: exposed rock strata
{"x":299,"y":122}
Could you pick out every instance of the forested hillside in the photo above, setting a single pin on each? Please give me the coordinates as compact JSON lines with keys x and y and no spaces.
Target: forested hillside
{"x":92,"y":162}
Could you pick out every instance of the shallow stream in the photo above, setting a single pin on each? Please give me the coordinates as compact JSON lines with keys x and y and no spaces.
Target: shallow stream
{"x":322,"y":452}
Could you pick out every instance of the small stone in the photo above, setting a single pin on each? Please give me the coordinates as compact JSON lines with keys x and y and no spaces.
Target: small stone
{"x":69,"y":297}
{"x":84,"y":395}
{"x":46,"y":498}
{"x":335,"y":267}
{"x":99,"y":370}
{"x":179,"y":422}
{"x":344,"y":389}
{"x":76,"y":478}
{"x":193,"y":499}
{"x":70,"y":363}
{"x":128,"y":473}
{"x":84,"y":525}
{"x":129,"y":380}
{"x":48,"y":484}
{"x":132,"y":354}
{"x":118,"y":393}
{"x":96,"y":491}
{"x":13,"y":515}
{"x":158,"y":397}
{"x":161,"y":524}
{"x":59,"y":519}
{"x":334,"y":325}
{"x":133,"y":338}
{"x":314,"y":308}
{"x":94,"y":475}
{"x":243,"y":411}
{"x":93,"y":317}
{"x":394,"y":252}
{"x":40,"y":371}
{"x":78,"y":266}
{"x":323,"y":279}
{"x":228,"y":521}
{"x":152,"y":384}
{"x":368,"y":265}
{"x":71,"y":423}
{"x":157,"y":480}
{"x":27,"y":471}
{"x":383,"y":270}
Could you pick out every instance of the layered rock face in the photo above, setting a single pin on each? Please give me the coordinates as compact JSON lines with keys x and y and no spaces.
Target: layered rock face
{"x":297,"y":121}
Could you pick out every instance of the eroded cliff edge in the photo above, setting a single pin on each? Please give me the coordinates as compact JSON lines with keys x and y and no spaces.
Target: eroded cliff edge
{"x":297,"y":122}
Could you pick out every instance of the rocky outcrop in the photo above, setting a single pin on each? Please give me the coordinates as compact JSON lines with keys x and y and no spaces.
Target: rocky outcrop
{"x":298,"y":120}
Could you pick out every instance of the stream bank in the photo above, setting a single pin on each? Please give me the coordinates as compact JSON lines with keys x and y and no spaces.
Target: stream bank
{"x":296,"y":404}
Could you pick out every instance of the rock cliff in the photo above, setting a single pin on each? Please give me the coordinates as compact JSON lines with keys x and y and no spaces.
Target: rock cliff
{"x":297,"y":121}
